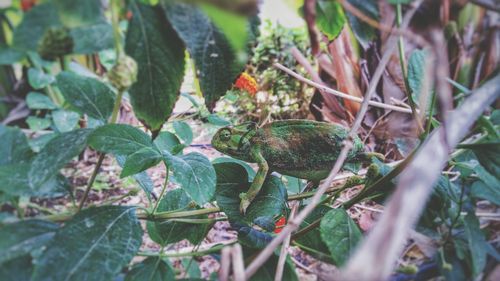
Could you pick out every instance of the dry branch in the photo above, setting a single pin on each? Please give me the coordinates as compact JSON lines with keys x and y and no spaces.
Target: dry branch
{"x":414,"y":187}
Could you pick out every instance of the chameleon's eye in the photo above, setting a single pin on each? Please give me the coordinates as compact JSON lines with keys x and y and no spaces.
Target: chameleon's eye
{"x":225,"y":135}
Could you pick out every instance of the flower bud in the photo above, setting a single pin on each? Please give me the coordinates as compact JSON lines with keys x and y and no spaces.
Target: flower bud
{"x":124,"y":73}
{"x":56,"y":42}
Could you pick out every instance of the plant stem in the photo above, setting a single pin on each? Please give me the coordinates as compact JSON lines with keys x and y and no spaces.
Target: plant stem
{"x":163,"y":189}
{"x":116,"y":107}
{"x":214,"y":249}
{"x":91,"y":181}
{"x":115,"y":9}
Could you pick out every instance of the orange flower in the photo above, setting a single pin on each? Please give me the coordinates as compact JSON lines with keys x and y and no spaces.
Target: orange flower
{"x":279,"y":225}
{"x":247,"y":83}
{"x":26,"y":5}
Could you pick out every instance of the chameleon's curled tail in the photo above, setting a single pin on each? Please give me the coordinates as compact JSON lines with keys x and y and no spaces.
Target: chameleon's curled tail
{"x":368,"y":155}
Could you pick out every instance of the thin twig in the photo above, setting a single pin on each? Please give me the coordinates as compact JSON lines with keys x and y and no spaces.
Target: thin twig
{"x":414,"y":187}
{"x":238,"y":264}
{"x":316,"y":199}
{"x":338,"y":93}
{"x":284,"y":249}
{"x":225,"y":263}
{"x":91,"y":181}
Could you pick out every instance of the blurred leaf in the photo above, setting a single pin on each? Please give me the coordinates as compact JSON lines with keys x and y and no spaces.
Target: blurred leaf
{"x":39,"y":142}
{"x":33,"y":26}
{"x":195,"y":174}
{"x":477,"y":243}
{"x":14,"y":148}
{"x":232,"y":180}
{"x":19,"y":269}
{"x":488,"y":154}
{"x":87,"y":95}
{"x":167,"y":232}
{"x":141,"y":178}
{"x":214,"y":58}
{"x":159,"y":53}
{"x":340,"y":233}
{"x":38,"y":79}
{"x":79,"y":12}
{"x":65,"y":120}
{"x":37,"y":124}
{"x":399,"y":1}
{"x":183,"y":130}
{"x":10,"y":55}
{"x":140,"y":160}
{"x":36,"y":100}
{"x":21,"y":238}
{"x":151,"y":269}
{"x":363,"y":31}
{"x":416,"y":76}
{"x":92,"y":39}
{"x":311,"y":241}
{"x":330,"y":18}
{"x":55,"y":154}
{"x":94,"y":245}
{"x":294,"y":185}
{"x":217,"y":120}
{"x":169,"y":142}
{"x":488,"y":187}
{"x":191,"y":268}
{"x":268,"y":270}
{"x":119,"y":139}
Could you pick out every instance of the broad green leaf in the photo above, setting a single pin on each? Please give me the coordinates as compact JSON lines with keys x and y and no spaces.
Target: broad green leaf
{"x":38,"y":79}
{"x":141,"y":178}
{"x":488,"y":187}
{"x":140,"y":160}
{"x":330,"y":18}
{"x":10,"y":55}
{"x":79,"y":12}
{"x":232,"y":180}
{"x":416,"y":75}
{"x":151,"y":269}
{"x":214,"y":58}
{"x":191,"y":268}
{"x":217,"y":120}
{"x":39,"y":142}
{"x":477,"y":243}
{"x":167,"y":232}
{"x":21,"y":238}
{"x":33,"y":26}
{"x":87,"y":95}
{"x":183,"y":130}
{"x":340,"y":233}
{"x":169,"y":142}
{"x":14,"y":180}
{"x":194,"y":173}
{"x":119,"y":139}
{"x":65,"y":120}
{"x":14,"y":148}
{"x":19,"y":269}
{"x":488,"y":155}
{"x":294,"y":185}
{"x":36,"y":100}
{"x":92,"y":39}
{"x":311,"y":241}
{"x":249,"y":170}
{"x":159,"y":53}
{"x":37,"y":123}
{"x":55,"y":154}
{"x":363,"y":31}
{"x":94,"y":245}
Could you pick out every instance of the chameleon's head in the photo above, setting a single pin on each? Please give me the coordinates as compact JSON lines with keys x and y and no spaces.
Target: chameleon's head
{"x":234,"y":141}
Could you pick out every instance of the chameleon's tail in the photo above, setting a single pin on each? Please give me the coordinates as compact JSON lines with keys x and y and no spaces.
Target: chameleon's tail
{"x":368,"y":155}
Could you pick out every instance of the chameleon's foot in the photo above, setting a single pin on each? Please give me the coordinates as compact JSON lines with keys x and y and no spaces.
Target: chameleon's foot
{"x":245,"y":202}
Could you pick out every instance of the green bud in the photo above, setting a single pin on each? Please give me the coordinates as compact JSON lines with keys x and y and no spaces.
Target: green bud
{"x":124,"y":73}
{"x":373,"y":172}
{"x":353,"y":181}
{"x":56,"y":42}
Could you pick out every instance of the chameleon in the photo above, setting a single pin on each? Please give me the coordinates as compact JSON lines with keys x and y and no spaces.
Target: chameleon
{"x":303,"y":149}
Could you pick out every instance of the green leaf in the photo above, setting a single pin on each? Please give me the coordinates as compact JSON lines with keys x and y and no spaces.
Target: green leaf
{"x":169,"y":142}
{"x":183,"y":130}
{"x":141,"y":178}
{"x":92,"y":39}
{"x":37,"y":124}
{"x":232,"y":180}
{"x":191,"y":268}
{"x":340,"y":233}
{"x":416,"y":76}
{"x":94,"y":245}
{"x":311,"y":241}
{"x":167,"y":232}
{"x":14,"y":147}
{"x":21,"y":238}
{"x":65,"y":120}
{"x":214,"y":58}
{"x":55,"y":154}
{"x":488,"y":155}
{"x":477,"y":243}
{"x":194,"y":173}
{"x":87,"y":95}
{"x":10,"y":55}
{"x":394,"y":2}
{"x":268,"y":270}
{"x":217,"y":120}
{"x":140,"y":161}
{"x":330,"y":18}
{"x":119,"y":139}
{"x":159,"y":53}
{"x":36,"y":100}
{"x":294,"y":185}
{"x":151,"y":269}
{"x":488,"y":187}
{"x":19,"y":269}
{"x":249,"y":170}
{"x":79,"y":12}
{"x":362,"y":30}
{"x":33,"y":26}
{"x":38,"y":79}
{"x":39,"y":142}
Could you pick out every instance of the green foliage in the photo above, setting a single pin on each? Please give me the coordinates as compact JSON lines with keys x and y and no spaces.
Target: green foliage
{"x":159,"y":53}
{"x":78,"y":249}
{"x":362,"y":30}
{"x":119,"y":139}
{"x":330,"y":18}
{"x":38,"y":79}
{"x":92,"y":39}
{"x":151,"y":269}
{"x":140,"y":160}
{"x":77,"y":13}
{"x":36,"y":100}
